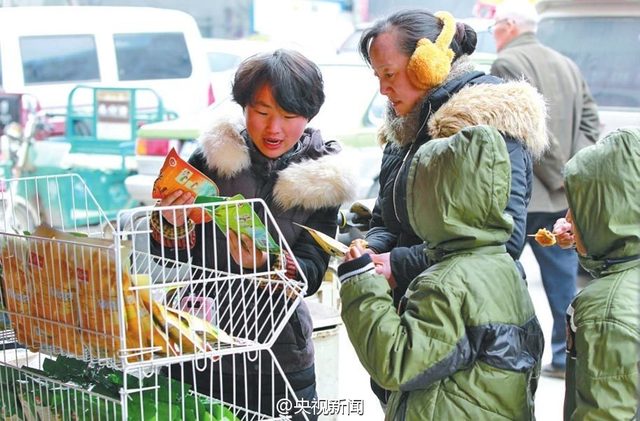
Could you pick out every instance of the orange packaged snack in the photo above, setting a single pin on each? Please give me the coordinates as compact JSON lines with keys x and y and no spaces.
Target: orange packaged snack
{"x":545,"y":238}
{"x":178,"y":174}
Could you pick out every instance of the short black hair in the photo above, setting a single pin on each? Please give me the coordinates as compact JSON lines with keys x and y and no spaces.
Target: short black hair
{"x":413,"y":25}
{"x":296,"y":82}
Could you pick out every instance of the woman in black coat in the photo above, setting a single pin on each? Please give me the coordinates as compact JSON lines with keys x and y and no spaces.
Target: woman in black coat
{"x":271,"y":155}
{"x":421,"y":61}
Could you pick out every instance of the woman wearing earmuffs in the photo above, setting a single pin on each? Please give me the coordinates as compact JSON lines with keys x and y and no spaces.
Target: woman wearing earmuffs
{"x":422,"y":64}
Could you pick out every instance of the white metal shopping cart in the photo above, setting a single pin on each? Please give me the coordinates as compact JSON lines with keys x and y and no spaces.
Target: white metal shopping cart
{"x":100,"y":321}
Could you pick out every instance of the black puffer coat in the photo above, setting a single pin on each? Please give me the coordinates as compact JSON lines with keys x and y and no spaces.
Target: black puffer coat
{"x":471,"y":98}
{"x":307,"y":185}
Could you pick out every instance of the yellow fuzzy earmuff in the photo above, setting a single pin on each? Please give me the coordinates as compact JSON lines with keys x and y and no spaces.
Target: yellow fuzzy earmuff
{"x":430,"y":63}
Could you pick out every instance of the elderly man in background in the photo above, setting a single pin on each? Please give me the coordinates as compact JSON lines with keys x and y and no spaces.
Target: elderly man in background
{"x":573,"y":124}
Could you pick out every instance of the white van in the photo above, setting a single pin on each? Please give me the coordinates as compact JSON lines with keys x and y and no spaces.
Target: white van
{"x":603,"y":38}
{"x":46,"y":51}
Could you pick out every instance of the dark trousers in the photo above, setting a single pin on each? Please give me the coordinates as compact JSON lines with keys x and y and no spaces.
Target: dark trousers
{"x":559,"y":270}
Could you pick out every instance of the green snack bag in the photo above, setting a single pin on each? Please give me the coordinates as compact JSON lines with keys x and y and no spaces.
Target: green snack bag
{"x":10,"y":407}
{"x":219,"y":412}
{"x":242,"y":219}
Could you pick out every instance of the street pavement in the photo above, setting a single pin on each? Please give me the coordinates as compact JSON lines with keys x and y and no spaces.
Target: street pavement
{"x":353,"y":381}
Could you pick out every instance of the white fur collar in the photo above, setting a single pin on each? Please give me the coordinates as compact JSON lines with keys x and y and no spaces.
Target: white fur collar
{"x":310,"y":184}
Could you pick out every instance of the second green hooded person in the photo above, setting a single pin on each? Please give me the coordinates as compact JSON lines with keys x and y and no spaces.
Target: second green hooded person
{"x":465,"y":342}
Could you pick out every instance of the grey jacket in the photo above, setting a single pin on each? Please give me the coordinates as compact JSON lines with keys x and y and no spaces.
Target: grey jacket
{"x":573,"y":121}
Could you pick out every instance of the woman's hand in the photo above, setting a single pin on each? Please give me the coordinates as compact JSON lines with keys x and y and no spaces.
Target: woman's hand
{"x":563,"y":231}
{"x":178,"y":197}
{"x":244,"y":252}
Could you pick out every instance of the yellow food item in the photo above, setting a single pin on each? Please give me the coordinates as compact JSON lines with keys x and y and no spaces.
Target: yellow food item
{"x":199,"y":325}
{"x":360,"y":242}
{"x":545,"y":238}
{"x":140,"y":323}
{"x":329,"y":245}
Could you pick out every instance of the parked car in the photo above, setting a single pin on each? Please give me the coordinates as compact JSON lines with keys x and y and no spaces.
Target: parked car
{"x":352,"y":118}
{"x":483,"y":56}
{"x":224,"y":56}
{"x":602,"y":37}
{"x":46,"y":51}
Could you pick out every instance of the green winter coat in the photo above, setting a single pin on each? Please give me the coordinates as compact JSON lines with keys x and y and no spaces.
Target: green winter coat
{"x":466,"y":344}
{"x":603,"y":189}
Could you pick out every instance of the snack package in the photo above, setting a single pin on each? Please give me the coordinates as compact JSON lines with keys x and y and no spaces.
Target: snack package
{"x":49,"y":267}
{"x":178,"y":174}
{"x":75,"y":295}
{"x":10,"y":407}
{"x":177,"y":331}
{"x":15,"y":286}
{"x":330,"y":245}
{"x":96,"y":277}
{"x":54,"y":338}
{"x":140,"y":320}
{"x":242,"y":219}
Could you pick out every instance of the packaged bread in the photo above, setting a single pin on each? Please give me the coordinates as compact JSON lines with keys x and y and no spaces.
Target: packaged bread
{"x":77,"y":277}
{"x":15,"y":286}
{"x":50,"y":271}
{"x":55,"y":338}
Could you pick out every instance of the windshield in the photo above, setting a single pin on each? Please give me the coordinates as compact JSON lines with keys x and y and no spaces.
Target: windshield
{"x":607,"y":51}
{"x":381,"y":8}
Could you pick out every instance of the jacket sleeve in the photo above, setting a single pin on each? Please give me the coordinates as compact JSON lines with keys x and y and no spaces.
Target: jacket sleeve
{"x":520,"y":195}
{"x":550,"y":167}
{"x":606,"y":375}
{"x":409,"y":351}
{"x":379,"y":237}
{"x":589,"y":121}
{"x":312,"y":259}
{"x":407,"y":263}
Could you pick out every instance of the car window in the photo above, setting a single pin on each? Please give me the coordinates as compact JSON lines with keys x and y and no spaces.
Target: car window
{"x":380,"y":8}
{"x":220,"y":62}
{"x":607,"y":51}
{"x":349,"y":90}
{"x":375,"y":113}
{"x":152,"y":56}
{"x":59,"y":58}
{"x":486,"y":43}
{"x":352,"y":43}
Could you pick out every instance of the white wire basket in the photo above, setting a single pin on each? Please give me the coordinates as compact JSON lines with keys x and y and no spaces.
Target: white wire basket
{"x":101,"y":321}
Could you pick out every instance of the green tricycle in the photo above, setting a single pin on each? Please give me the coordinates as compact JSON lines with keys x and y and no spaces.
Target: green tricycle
{"x":98,"y":146}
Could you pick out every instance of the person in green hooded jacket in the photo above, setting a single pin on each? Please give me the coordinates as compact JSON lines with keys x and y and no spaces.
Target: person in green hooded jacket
{"x":465,"y":343}
{"x":602,"y":184}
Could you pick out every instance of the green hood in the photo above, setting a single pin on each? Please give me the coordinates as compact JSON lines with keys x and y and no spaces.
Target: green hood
{"x":602,"y":184}
{"x":457,"y":191}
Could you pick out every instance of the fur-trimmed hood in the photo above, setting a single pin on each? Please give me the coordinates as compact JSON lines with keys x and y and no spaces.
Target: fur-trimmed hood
{"x":316,"y":176}
{"x":514,"y":108}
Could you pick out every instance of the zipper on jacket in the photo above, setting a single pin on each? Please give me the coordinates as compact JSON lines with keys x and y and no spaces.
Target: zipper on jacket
{"x":395,"y":182}
{"x":401,"y":411}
